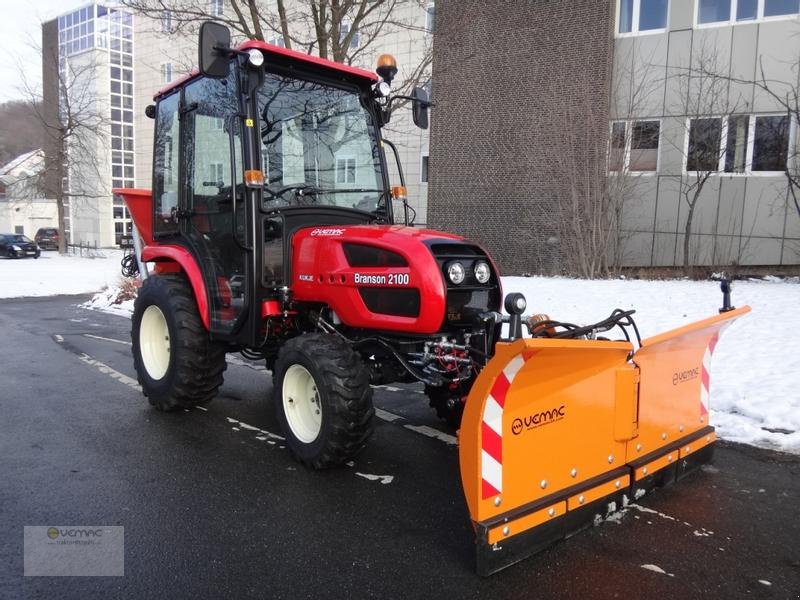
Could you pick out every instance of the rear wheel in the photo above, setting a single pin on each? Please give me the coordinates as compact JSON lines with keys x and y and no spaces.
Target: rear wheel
{"x":322,"y":399}
{"x":177,"y":364}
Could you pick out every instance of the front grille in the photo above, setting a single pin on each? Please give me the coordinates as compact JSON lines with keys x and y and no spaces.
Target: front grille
{"x":468,"y":300}
{"x":389,"y":301}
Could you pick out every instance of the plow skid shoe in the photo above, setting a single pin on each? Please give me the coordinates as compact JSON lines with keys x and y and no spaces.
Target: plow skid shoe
{"x":558,"y":431}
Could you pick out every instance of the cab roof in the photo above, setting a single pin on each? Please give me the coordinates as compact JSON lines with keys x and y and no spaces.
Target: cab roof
{"x":283,"y":54}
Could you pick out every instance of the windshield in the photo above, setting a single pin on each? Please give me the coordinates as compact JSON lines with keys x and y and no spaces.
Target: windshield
{"x":318,"y":146}
{"x":18,"y":238}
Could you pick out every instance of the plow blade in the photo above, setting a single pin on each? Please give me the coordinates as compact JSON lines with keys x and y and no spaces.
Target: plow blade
{"x":557,"y":431}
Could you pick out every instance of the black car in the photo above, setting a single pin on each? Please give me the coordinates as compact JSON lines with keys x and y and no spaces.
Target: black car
{"x":47,"y":238}
{"x":16,"y":245}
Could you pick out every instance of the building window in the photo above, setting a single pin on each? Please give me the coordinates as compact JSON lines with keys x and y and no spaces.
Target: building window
{"x":634,"y":146}
{"x":642,"y":16}
{"x":423,"y":169}
{"x":703,"y":152}
{"x":430,"y":17}
{"x":716,"y":12}
{"x":779,"y":8}
{"x":217,"y":7}
{"x":166,"y":72}
{"x":166,"y":21}
{"x":644,"y":146}
{"x":736,"y":144}
{"x":217,"y":177}
{"x":770,"y":143}
{"x":344,"y":29}
{"x":345,"y":170}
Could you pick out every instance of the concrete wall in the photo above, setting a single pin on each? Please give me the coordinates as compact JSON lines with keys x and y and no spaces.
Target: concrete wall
{"x":506,"y":72}
{"x":740,"y":218}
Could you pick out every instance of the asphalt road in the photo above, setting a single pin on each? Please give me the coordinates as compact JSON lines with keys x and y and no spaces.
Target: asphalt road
{"x":214,"y":506}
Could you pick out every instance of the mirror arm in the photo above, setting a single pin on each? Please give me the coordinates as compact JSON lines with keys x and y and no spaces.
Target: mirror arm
{"x":424,"y":103}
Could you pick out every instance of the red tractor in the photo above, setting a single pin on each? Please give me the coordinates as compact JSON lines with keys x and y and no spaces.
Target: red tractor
{"x":272,"y":229}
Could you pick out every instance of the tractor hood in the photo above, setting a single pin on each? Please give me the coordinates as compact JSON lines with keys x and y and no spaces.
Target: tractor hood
{"x":390,"y":277}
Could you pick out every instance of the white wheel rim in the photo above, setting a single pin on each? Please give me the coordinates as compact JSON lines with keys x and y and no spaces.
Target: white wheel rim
{"x":154,"y":342}
{"x":301,"y":404}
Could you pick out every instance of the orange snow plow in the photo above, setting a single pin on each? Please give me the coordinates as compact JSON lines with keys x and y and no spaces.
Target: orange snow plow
{"x":557,"y":430}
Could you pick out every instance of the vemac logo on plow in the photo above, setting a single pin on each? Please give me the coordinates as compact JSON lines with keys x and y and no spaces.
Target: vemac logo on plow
{"x":537,"y":420}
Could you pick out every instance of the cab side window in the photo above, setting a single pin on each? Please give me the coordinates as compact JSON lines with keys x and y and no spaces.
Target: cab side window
{"x":165,"y":167}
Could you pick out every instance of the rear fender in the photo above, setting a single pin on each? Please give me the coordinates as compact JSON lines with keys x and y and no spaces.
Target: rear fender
{"x":167,"y":258}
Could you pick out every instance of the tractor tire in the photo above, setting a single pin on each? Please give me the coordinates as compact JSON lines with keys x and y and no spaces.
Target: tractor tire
{"x":322,"y":399}
{"x":176,"y":363}
{"x":450,"y":412}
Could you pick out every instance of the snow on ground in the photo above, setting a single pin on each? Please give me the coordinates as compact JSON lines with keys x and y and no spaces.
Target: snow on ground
{"x":53,"y":273}
{"x":755,"y":374}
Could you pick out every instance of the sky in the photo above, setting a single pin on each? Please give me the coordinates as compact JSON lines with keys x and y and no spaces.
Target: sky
{"x":21,"y":35}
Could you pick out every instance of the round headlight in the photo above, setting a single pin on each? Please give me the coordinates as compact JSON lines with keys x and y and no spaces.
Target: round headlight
{"x":482,"y":272}
{"x":255,"y":57}
{"x":455,"y":272}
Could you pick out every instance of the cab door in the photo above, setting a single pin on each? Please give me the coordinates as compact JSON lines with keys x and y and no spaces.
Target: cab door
{"x":212,"y":197}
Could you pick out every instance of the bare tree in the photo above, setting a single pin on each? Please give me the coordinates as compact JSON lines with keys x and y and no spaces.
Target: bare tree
{"x":74,"y":134}
{"x":341,"y":30}
{"x":20,"y":130}
{"x":597,"y":171}
{"x":707,"y":131}
{"x":785,"y":93}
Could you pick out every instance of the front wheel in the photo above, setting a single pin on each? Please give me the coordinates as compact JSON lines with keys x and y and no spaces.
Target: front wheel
{"x":177,"y":364}
{"x":322,"y":399}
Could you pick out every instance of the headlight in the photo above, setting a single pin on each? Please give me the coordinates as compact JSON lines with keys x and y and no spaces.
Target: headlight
{"x":455,"y":272}
{"x":17,"y":248}
{"x":482,"y":272}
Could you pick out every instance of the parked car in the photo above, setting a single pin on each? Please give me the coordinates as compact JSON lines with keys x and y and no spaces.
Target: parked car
{"x":16,"y":245}
{"x":47,"y":238}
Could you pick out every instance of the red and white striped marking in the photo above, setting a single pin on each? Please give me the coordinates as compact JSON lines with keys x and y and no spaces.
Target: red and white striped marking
{"x":492,"y":430}
{"x":705,"y":372}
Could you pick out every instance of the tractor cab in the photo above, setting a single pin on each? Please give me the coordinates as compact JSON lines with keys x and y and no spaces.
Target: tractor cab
{"x":258,"y":143}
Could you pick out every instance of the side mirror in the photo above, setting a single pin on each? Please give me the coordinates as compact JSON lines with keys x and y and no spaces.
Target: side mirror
{"x":215,"y":42}
{"x":419,"y":107}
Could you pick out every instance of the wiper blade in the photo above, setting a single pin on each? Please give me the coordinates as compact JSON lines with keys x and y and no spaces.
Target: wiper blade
{"x":312,"y":190}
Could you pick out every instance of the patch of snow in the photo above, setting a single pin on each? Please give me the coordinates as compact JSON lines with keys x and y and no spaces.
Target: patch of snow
{"x":764,"y":582}
{"x":384,"y":479}
{"x":54,"y":274}
{"x":654,"y":568}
